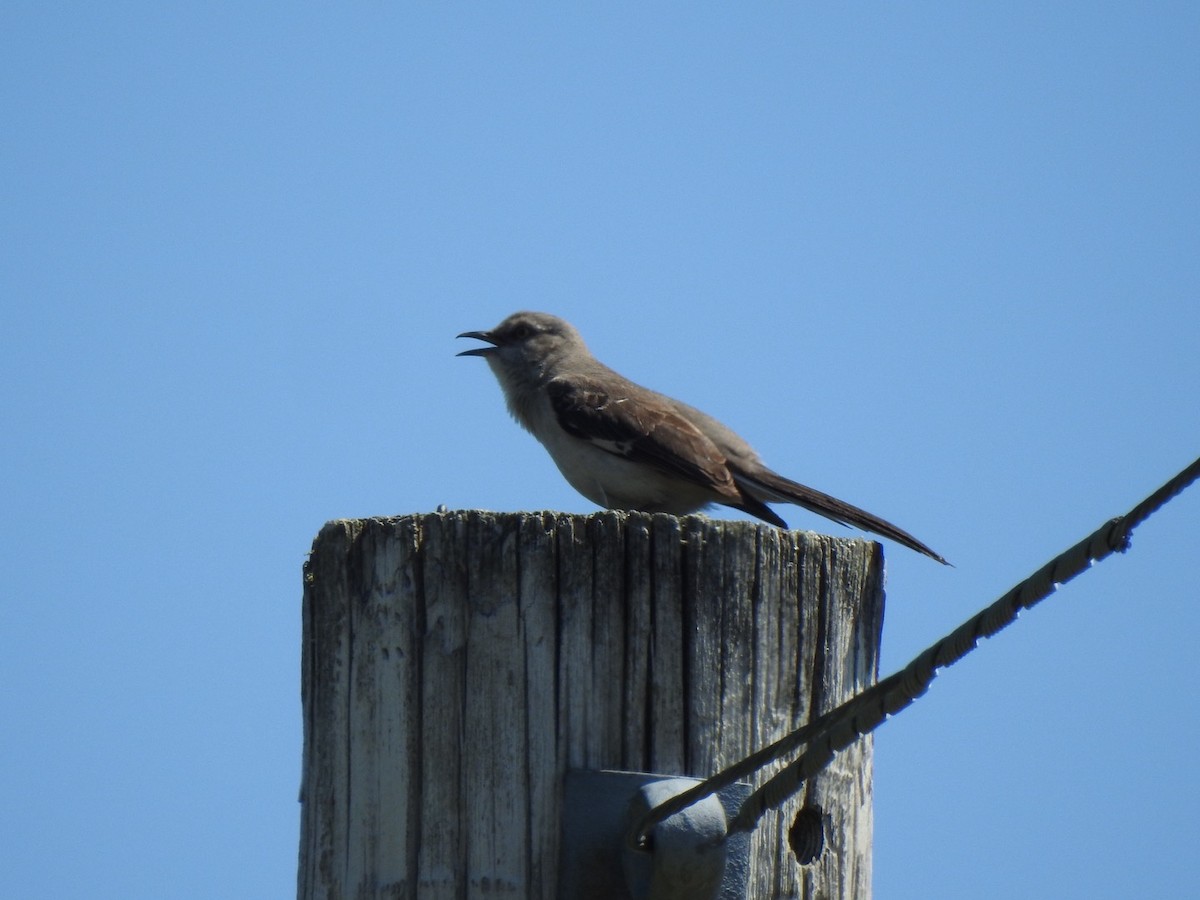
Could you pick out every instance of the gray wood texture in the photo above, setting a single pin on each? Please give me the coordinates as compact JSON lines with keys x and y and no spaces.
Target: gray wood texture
{"x":455,"y":665}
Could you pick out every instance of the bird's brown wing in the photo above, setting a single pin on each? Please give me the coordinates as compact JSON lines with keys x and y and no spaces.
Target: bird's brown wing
{"x":649,"y":433}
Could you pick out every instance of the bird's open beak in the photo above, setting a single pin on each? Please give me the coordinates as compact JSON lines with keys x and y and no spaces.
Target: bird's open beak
{"x":479,"y":336}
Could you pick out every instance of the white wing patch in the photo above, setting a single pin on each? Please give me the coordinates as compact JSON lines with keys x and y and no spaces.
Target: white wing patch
{"x":619,"y":448}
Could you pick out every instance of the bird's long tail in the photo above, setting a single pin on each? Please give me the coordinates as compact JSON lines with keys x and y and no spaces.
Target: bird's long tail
{"x":767,"y":486}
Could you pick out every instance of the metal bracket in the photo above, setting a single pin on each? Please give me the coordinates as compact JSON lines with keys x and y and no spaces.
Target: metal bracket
{"x":690,"y":856}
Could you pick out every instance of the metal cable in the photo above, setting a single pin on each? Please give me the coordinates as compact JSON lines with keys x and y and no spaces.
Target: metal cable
{"x":839,"y":728}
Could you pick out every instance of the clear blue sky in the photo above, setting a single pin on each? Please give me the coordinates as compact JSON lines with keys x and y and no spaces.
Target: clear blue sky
{"x":939,"y":261}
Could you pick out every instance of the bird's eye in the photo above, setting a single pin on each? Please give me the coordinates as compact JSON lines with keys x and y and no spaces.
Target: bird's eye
{"x":522,"y":331}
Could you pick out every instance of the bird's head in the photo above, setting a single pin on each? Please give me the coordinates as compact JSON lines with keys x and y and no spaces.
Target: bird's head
{"x":526,"y":347}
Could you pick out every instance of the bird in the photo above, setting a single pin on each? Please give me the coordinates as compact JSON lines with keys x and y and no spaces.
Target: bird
{"x":626,"y":447}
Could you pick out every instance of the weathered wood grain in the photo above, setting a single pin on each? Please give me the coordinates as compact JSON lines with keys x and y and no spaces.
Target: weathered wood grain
{"x":455,"y":665}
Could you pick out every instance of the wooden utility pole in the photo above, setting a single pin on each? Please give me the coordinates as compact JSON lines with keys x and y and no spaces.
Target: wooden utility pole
{"x":457,"y":665}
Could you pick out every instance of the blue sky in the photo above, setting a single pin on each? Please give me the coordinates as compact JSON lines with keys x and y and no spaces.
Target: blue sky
{"x":941,"y":262}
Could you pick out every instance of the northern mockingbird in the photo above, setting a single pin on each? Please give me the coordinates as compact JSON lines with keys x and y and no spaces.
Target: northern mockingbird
{"x":624,"y":446}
